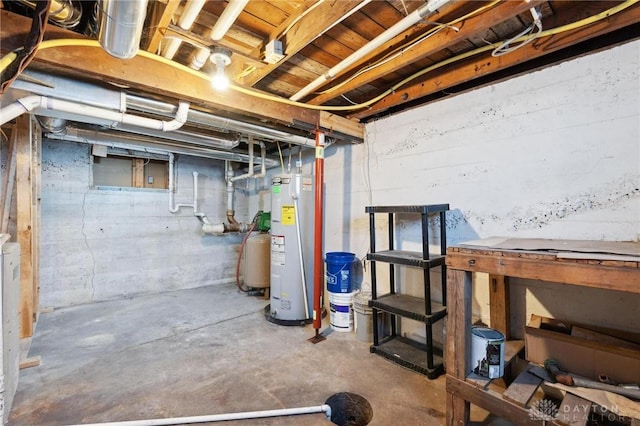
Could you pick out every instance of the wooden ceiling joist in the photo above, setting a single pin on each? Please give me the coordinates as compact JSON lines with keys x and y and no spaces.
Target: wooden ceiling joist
{"x":484,"y":64}
{"x":150,"y":76}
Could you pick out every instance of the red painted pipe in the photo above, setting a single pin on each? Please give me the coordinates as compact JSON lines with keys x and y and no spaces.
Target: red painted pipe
{"x":318,"y":225}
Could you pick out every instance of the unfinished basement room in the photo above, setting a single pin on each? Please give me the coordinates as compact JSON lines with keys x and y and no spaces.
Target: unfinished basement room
{"x":320,"y":212}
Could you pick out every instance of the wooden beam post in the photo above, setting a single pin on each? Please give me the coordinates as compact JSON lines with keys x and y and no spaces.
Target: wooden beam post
{"x":24,"y":223}
{"x":499,"y":302}
{"x":9,"y":180}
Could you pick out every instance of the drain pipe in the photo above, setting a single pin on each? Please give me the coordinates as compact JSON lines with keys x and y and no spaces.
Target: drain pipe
{"x":33,"y":102}
{"x":172,"y":188}
{"x":263,"y":169}
{"x":404,"y":24}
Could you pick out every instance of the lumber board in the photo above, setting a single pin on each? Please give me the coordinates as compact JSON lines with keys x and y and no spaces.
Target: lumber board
{"x":24,"y":223}
{"x":574,"y":411}
{"x":606,"y":339}
{"x":30,"y":362}
{"x":522,"y":388}
{"x":614,"y":403}
{"x":490,"y":400}
{"x":547,"y":268}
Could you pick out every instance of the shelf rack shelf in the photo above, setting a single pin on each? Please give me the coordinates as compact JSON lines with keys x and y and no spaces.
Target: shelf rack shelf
{"x":423,"y":358}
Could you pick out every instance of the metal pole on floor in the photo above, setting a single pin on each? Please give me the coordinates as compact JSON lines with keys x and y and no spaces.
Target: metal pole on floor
{"x":318,"y":228}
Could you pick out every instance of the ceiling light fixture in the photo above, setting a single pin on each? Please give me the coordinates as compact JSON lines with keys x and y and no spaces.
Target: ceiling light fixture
{"x":221,"y":58}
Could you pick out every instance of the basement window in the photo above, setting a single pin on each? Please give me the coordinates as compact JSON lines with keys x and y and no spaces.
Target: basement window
{"x":122,"y":168}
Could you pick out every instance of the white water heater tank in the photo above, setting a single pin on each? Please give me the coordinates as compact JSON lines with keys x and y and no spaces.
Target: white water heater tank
{"x":292,"y":215}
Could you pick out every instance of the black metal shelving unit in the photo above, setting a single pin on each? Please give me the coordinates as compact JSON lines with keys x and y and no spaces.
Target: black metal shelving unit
{"x":421,"y":357}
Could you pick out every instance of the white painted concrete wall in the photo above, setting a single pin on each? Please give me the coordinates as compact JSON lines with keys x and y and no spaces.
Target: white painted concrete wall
{"x":553,"y":154}
{"x":108,"y":244}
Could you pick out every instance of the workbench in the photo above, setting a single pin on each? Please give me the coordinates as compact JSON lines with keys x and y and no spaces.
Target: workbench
{"x":604,"y":271}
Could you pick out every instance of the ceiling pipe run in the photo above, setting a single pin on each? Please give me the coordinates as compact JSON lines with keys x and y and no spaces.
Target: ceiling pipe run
{"x":121,"y":24}
{"x":401,"y":26}
{"x":188,"y":17}
{"x":35,"y":103}
{"x":227,"y":18}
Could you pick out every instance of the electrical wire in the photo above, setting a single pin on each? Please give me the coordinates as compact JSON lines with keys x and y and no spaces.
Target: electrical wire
{"x":528,"y":35}
{"x":403,"y":48}
{"x":9,"y":58}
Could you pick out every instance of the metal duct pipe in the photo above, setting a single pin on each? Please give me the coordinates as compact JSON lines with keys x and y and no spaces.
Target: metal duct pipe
{"x":62,"y":12}
{"x":142,"y":143}
{"x":121,"y":23}
{"x":404,"y":24}
{"x":197,"y":117}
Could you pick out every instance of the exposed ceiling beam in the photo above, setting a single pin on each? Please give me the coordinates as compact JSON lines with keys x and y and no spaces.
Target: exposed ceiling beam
{"x":166,"y":11}
{"x":440,"y":40}
{"x":485,"y":64}
{"x":153,"y":77}
{"x":308,"y":28}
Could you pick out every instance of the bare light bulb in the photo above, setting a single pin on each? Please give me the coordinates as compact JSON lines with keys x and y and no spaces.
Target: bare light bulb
{"x":221,"y":58}
{"x":219,"y":80}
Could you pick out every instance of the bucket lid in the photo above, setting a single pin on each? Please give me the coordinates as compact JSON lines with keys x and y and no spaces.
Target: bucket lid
{"x":362,"y":298}
{"x":487,"y":333}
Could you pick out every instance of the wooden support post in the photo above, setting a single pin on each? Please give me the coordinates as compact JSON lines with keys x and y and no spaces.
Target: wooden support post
{"x":36,"y":168}
{"x":24,"y":222}
{"x":9,"y":180}
{"x":138,"y":173}
{"x":499,"y":302}
{"x":458,"y":342}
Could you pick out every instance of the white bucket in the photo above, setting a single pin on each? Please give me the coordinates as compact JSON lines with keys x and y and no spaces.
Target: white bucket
{"x":341,"y":311}
{"x":363,"y":319}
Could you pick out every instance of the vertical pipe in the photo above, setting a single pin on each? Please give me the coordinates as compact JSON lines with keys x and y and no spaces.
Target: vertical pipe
{"x":318,"y":231}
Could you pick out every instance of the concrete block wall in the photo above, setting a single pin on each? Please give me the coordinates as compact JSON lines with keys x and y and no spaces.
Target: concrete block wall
{"x":551,"y":154}
{"x":99,"y":244}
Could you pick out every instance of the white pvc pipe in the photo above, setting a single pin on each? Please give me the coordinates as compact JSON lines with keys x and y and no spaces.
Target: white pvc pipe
{"x":227,"y":18}
{"x":408,"y":21}
{"x":188,"y":17}
{"x":222,"y":417}
{"x":20,"y":106}
{"x":263,"y":169}
{"x":29,"y":103}
{"x":174,"y":208}
{"x":300,"y":256}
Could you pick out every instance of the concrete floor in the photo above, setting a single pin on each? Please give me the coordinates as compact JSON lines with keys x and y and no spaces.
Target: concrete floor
{"x":205,"y":351}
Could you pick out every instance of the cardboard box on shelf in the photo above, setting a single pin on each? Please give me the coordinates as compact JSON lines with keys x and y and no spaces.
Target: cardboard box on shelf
{"x":547,"y":338}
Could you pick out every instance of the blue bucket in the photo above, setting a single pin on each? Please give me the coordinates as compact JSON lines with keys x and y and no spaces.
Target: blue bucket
{"x":339,"y":270}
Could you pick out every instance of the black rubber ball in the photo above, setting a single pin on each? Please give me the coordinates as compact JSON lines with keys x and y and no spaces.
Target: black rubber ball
{"x":349,"y":409}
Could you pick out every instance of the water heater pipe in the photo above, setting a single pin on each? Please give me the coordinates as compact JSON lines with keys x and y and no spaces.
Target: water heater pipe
{"x":305,"y":298}
{"x":317,"y":235}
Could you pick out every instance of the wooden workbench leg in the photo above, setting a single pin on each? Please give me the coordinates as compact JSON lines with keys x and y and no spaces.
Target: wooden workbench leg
{"x":499,"y":303}
{"x":458,"y":340}
{"x":457,"y":410}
